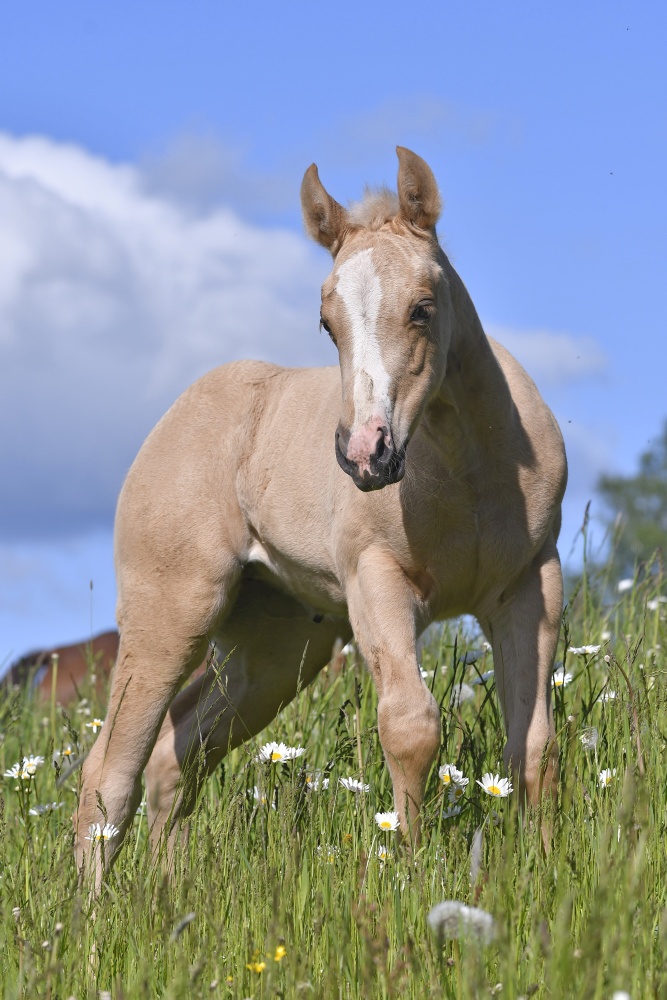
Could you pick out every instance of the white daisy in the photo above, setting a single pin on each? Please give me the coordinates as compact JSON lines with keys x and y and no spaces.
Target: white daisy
{"x":97,"y":832}
{"x":624,"y":585}
{"x":30,"y":765}
{"x":655,"y":602}
{"x":450,"y":774}
{"x":384,"y":854}
{"x":327,"y":854}
{"x":488,"y":675}
{"x":606,"y":776}
{"x":584,"y":650}
{"x":315,"y":781}
{"x":278,"y":753}
{"x":608,"y":696}
{"x":560,"y":678}
{"x":495,"y":786}
{"x":46,"y":808}
{"x":387,"y":821}
{"x":260,"y":797}
{"x":353,"y":785}
{"x":456,"y":792}
{"x":472,"y":656}
{"x":451,"y":812}
{"x":14,"y":771}
{"x":95,"y":725}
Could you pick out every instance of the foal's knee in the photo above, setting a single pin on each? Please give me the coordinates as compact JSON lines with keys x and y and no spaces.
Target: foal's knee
{"x":410,"y":730}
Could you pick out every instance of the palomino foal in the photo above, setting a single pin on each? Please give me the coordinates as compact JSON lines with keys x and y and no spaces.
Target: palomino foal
{"x":275,"y":509}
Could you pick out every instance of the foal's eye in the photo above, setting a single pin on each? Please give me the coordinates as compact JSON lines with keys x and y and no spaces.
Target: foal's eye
{"x":422,"y":312}
{"x":324,"y":325}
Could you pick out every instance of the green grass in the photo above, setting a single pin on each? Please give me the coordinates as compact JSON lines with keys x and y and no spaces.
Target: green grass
{"x":584,"y":920}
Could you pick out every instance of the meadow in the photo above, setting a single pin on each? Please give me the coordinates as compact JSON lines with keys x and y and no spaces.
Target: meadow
{"x":288,"y":887}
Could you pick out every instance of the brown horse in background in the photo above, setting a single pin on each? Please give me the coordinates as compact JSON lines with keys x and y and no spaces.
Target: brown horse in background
{"x":74,"y":664}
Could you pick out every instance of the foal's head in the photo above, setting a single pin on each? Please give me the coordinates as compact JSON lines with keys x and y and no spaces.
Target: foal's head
{"x":386,"y":307}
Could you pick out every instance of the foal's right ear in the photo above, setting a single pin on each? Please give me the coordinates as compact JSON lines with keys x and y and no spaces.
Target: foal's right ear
{"x":325,"y":220}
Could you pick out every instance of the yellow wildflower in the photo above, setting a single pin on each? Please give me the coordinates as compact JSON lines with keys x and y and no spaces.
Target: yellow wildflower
{"x":256,"y":966}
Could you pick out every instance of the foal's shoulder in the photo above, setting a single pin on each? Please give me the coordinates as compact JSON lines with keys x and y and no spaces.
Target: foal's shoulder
{"x":521,"y":386}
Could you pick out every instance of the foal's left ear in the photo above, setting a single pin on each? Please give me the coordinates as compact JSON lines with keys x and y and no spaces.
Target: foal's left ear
{"x":324,"y":219}
{"x":418,"y":194}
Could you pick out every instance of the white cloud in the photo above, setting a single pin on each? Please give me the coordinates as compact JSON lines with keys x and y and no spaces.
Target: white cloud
{"x":407,"y":120}
{"x":199,"y":171}
{"x":552,"y":359}
{"x":112,"y":300}
{"x":114,"y":296}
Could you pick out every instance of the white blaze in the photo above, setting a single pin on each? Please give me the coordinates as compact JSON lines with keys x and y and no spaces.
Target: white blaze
{"x":361,"y":291}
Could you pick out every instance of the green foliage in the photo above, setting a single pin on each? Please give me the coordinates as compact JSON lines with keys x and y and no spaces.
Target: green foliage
{"x":588,"y":918}
{"x":641,"y":502}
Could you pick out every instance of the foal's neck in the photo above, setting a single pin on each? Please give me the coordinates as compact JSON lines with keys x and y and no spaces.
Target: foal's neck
{"x":474,"y":395}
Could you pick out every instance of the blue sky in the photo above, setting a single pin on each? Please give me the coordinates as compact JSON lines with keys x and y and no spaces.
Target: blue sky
{"x":150,"y":163}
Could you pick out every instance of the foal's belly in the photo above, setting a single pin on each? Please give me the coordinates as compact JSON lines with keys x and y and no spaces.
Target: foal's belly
{"x":297,"y":571}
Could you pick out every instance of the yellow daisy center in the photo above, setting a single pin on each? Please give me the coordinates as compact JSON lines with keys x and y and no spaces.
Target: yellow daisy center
{"x":385,"y":824}
{"x":446,"y":778}
{"x":494,"y":790}
{"x":276,"y":755}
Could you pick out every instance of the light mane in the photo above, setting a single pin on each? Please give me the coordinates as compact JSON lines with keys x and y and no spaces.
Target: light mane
{"x":377,"y":206}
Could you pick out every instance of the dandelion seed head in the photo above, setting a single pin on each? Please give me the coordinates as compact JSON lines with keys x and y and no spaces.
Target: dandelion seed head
{"x":453,"y":920}
{"x":589,"y":738}
{"x":461,"y":693}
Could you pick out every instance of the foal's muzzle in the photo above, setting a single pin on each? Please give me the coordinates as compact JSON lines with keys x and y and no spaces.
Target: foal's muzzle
{"x":385,"y":464}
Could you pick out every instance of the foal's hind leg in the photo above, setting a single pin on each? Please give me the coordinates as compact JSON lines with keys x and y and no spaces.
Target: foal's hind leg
{"x":523,"y":628}
{"x":386,"y":615}
{"x":161,"y":643}
{"x":276,"y":648}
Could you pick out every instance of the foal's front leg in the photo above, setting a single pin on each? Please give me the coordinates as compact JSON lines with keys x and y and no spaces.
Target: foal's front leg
{"x":523,"y":628}
{"x":383,"y":610}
